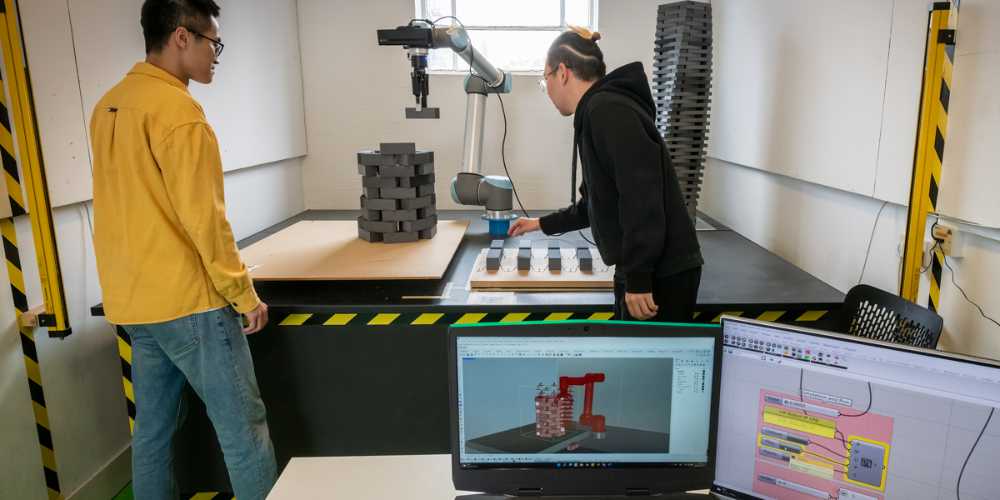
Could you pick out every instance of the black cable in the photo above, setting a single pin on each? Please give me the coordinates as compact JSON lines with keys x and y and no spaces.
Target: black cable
{"x":842,"y":439}
{"x":936,"y":245}
{"x":866,"y":409}
{"x":503,"y":111}
{"x":953,"y":282}
{"x":802,"y":373}
{"x":503,"y":156}
{"x":931,"y":252}
{"x":871,"y":239}
{"x":958,"y":484}
{"x":824,"y":457}
{"x":845,"y":457}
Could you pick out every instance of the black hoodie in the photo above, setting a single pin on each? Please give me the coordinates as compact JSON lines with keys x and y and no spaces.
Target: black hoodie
{"x":629,"y":195}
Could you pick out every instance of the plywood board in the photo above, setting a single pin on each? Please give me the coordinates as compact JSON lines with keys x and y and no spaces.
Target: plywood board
{"x":539,"y":277}
{"x":331,"y":251}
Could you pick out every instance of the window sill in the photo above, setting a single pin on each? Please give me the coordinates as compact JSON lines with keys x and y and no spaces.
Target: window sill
{"x":440,"y":72}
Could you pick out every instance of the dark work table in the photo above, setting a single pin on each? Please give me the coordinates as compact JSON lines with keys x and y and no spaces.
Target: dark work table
{"x":737,"y":272}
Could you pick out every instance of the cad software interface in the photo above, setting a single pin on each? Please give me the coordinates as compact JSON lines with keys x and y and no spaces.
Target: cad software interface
{"x":584,"y":402}
{"x":810,"y":417}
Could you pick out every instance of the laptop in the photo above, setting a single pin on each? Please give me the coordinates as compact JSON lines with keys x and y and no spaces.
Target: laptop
{"x":599,"y":409}
{"x":807,"y":415}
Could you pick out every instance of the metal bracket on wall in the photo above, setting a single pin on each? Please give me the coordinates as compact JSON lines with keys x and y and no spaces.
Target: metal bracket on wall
{"x":932,"y":131}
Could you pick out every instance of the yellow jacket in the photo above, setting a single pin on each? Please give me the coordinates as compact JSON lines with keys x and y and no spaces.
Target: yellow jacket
{"x":164,"y":247}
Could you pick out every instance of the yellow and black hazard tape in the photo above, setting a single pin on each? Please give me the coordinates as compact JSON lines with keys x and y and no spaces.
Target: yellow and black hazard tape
{"x":939,"y":119}
{"x":15,"y":197}
{"x":210,"y":495}
{"x":32,"y":368}
{"x":430,"y":318}
{"x":125,"y":356}
{"x":932,"y":132}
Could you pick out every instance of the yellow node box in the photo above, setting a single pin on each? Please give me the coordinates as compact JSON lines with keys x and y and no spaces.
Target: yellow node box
{"x":811,"y":468}
{"x":802,"y":423}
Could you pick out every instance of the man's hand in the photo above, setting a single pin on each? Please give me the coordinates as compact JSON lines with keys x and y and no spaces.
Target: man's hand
{"x":641,"y":305}
{"x":256,"y":320}
{"x":523,"y":225}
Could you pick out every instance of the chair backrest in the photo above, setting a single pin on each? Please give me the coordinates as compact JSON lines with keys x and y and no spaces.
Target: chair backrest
{"x":876,"y":314}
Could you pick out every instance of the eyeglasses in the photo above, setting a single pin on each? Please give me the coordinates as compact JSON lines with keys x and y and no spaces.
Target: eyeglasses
{"x":215,"y":43}
{"x":543,"y":83}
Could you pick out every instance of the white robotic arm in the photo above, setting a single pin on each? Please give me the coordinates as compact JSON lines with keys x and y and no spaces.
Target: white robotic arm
{"x":469,"y":187}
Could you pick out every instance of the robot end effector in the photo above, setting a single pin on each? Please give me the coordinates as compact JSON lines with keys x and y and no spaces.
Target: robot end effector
{"x":418,"y":39}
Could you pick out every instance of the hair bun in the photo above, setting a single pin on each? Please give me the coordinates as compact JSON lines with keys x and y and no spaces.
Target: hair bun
{"x":584,"y":33}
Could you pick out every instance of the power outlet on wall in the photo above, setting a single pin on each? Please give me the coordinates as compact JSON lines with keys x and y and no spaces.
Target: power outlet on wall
{"x":948,"y":239}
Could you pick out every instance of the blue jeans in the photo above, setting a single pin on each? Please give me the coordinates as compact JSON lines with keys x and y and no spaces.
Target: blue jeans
{"x":209,"y":351}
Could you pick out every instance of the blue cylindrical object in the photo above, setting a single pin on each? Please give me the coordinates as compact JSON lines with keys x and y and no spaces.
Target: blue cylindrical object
{"x":499,"y":228}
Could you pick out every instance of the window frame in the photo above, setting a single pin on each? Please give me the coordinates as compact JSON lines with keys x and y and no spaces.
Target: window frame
{"x":421,"y":6}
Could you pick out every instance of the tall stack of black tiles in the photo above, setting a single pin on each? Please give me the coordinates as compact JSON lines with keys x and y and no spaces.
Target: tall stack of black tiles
{"x":398,"y":203}
{"x":682,"y":87}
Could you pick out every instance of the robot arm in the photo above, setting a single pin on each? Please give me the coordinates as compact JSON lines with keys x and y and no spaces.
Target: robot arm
{"x":418,"y":38}
{"x":470,"y":187}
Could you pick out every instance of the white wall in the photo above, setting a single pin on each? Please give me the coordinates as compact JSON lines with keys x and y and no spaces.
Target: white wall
{"x":79,"y":50}
{"x":825,"y":230}
{"x":356,"y":91}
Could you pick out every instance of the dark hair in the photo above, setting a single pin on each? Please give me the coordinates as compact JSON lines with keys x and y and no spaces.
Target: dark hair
{"x":578,"y":50}
{"x":161,"y":17}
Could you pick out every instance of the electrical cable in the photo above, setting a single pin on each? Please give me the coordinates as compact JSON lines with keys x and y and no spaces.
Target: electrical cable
{"x":935,"y":246}
{"x":958,"y":484}
{"x":923,"y":269}
{"x":960,"y":289}
{"x":871,"y":239}
{"x":503,"y":156}
{"x":503,"y":111}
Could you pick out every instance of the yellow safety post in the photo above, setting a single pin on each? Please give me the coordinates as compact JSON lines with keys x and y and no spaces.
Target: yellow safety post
{"x":22,"y":114}
{"x":932,"y":130}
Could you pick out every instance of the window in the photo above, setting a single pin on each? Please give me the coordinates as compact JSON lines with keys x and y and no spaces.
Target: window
{"x":512,"y":34}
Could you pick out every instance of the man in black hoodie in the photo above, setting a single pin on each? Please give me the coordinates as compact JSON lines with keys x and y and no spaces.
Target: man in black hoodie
{"x":630,"y":196}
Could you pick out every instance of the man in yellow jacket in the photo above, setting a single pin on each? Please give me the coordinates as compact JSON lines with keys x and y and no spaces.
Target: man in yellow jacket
{"x":169,"y":268}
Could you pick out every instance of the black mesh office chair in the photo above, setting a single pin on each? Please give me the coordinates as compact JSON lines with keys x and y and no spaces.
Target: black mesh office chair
{"x":876,"y":314}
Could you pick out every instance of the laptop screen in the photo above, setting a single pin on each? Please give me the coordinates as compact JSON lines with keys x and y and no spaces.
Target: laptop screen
{"x":583,"y":402}
{"x":808,"y":415}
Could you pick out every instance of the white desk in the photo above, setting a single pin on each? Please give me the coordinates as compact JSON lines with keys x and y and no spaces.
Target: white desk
{"x":413,"y":477}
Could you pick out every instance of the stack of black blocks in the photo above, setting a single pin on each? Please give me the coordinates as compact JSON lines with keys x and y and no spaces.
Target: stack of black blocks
{"x":398,"y":203}
{"x":682,"y":87}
